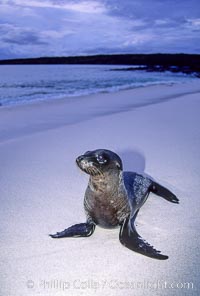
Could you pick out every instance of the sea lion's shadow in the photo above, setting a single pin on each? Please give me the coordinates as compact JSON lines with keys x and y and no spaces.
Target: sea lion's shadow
{"x":134,"y":161}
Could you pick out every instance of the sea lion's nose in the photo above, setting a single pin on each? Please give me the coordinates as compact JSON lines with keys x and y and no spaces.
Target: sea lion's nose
{"x":79,"y":158}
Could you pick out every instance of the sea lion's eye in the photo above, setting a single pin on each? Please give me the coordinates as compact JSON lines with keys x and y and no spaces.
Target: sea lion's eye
{"x":101,"y":159}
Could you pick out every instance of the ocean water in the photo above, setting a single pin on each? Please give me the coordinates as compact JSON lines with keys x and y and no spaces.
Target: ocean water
{"x":22,"y":84}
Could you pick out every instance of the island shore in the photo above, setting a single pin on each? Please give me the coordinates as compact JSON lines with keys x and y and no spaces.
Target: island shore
{"x":41,"y":192}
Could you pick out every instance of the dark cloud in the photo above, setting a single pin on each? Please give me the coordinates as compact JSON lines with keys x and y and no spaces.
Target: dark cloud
{"x":15,"y":35}
{"x":24,"y":38}
{"x":73,"y":27}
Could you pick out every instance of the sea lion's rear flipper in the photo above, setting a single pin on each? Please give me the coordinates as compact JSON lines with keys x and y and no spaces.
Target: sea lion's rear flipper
{"x":132,"y":240}
{"x":77,"y":230}
{"x":163,"y":192}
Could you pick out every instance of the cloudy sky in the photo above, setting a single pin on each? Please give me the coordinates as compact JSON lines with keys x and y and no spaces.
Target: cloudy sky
{"x":33,"y":28}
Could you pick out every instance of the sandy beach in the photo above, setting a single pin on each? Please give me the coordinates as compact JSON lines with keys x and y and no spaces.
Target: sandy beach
{"x":42,"y":190}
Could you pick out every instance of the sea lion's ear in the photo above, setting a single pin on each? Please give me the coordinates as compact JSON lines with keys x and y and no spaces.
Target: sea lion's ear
{"x":119,"y":164}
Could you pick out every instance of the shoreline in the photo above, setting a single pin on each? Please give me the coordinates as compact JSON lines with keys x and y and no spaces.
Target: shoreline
{"x":68,"y":99}
{"x":111,"y":90}
{"x":22,"y":120}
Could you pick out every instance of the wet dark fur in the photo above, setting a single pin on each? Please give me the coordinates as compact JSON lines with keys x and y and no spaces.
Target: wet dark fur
{"x":114,"y":198}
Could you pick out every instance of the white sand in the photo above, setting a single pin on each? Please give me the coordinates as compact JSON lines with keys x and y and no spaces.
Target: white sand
{"x":41,"y":192}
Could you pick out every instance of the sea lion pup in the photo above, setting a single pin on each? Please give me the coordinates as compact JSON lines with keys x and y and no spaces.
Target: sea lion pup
{"x":113,"y":198}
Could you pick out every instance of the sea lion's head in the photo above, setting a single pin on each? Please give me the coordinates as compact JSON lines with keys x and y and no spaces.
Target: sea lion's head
{"x":99,"y":161}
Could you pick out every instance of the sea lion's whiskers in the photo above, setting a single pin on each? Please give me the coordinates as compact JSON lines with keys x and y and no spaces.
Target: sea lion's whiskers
{"x":89,"y":170}
{"x":98,"y":171}
{"x":95,"y":171}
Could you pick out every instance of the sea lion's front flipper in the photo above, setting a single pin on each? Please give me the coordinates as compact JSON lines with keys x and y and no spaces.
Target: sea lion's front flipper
{"x":132,"y":240}
{"x":163,"y":192}
{"x":77,"y":230}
